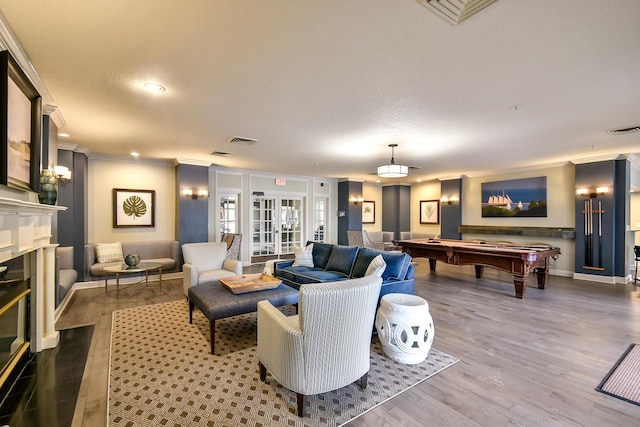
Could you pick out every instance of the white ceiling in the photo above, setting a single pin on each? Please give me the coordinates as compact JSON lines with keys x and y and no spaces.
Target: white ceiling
{"x":327,"y":85}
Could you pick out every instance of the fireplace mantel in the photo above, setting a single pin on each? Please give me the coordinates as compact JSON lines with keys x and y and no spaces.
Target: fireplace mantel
{"x":25,"y":230}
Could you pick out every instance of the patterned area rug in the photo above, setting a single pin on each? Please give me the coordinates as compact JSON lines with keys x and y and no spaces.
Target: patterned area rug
{"x":162,"y":374}
{"x":623,"y":380}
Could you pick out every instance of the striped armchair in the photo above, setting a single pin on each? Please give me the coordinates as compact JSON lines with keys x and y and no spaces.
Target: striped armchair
{"x":205,"y":263}
{"x":327,"y":345}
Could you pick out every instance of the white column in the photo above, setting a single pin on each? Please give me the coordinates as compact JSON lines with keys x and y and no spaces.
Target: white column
{"x":45,"y":334}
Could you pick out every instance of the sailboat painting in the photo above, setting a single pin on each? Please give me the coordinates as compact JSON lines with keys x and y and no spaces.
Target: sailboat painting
{"x":525,"y":197}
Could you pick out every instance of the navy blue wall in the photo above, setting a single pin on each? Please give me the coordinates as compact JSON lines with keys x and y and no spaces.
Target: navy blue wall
{"x":451,"y":215}
{"x":192,"y":215}
{"x":72,"y":226}
{"x":396,"y":209}
{"x":352,"y":219}
{"x":608,"y":253}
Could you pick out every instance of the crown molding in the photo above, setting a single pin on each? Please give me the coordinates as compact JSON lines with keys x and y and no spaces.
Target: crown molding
{"x":128,"y":159}
{"x":54,"y":113}
{"x":516,"y":169}
{"x":601,"y":158}
{"x":67,"y":146}
{"x":10,"y":42}
{"x":192,"y":162}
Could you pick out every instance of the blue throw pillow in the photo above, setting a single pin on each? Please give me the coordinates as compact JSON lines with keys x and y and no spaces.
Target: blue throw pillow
{"x":321,"y":253}
{"x":341,"y":259}
{"x":365,"y":256}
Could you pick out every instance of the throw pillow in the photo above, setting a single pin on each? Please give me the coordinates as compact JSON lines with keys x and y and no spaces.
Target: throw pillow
{"x":109,"y":252}
{"x":376,"y":266}
{"x":304,"y":256}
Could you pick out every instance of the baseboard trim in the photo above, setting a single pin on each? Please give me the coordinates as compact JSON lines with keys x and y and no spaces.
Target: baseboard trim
{"x":611,"y":280}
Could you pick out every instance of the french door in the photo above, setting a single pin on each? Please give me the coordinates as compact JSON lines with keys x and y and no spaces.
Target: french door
{"x":277,"y":224}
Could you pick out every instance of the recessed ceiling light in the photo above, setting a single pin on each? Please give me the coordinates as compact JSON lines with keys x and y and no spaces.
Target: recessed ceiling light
{"x":135,"y":154}
{"x":64,"y":135}
{"x":154,"y":87}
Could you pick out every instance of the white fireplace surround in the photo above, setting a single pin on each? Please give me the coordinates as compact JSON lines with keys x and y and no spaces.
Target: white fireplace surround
{"x":25,"y":230}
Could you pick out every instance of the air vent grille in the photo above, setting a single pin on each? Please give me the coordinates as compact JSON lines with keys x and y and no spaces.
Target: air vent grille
{"x":625,"y":131}
{"x":220,"y":153}
{"x":455,"y":11}
{"x":242,"y":140}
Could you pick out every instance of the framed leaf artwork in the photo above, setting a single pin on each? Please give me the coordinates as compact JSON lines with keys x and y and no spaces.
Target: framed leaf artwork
{"x":133,"y":208}
{"x":368,"y":212}
{"x":429,"y":211}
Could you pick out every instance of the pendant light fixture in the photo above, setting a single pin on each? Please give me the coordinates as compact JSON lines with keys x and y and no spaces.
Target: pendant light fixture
{"x":392,"y":170}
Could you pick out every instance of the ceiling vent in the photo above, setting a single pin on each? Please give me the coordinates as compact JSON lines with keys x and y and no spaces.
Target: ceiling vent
{"x":220,"y":153}
{"x":455,"y":11}
{"x":617,"y":132}
{"x":242,"y":140}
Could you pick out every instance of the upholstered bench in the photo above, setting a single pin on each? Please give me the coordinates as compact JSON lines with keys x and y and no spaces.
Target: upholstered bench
{"x":216,"y":302}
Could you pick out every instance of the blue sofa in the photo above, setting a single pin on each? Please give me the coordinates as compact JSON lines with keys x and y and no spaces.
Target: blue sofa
{"x":335,"y":262}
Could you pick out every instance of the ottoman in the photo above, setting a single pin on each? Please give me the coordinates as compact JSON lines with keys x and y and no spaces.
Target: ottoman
{"x":216,"y":302}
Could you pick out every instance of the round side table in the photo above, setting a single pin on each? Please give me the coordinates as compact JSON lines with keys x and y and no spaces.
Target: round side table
{"x":405,"y":327}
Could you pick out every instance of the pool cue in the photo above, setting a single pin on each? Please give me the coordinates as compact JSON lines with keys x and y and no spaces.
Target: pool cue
{"x":599,"y":233}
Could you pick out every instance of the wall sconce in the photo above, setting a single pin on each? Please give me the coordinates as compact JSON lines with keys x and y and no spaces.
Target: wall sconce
{"x":62,"y":173}
{"x":449,"y":199}
{"x":195,"y":194}
{"x":587,"y":192}
{"x":357,"y":200}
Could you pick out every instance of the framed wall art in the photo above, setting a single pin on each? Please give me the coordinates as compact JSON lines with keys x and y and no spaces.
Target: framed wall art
{"x":21,"y":129}
{"x":368,"y":212}
{"x":526,"y":197}
{"x":133,"y":208}
{"x":429,"y":211}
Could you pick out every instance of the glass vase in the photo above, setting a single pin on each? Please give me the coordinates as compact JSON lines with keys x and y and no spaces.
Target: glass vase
{"x":48,"y":187}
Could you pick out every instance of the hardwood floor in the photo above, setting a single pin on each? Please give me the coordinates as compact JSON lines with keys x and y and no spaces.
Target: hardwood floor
{"x":530,"y":362}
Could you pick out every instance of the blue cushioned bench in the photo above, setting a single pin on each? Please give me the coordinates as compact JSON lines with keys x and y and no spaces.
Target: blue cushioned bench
{"x":216,"y":302}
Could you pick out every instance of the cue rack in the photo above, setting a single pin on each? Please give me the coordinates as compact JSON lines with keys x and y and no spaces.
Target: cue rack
{"x":591,"y":214}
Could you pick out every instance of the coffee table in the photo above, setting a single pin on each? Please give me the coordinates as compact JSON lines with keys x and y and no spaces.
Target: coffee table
{"x":217,"y":302}
{"x":118,"y":269}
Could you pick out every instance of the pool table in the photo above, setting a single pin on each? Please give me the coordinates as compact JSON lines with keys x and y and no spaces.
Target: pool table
{"x":515,"y":259}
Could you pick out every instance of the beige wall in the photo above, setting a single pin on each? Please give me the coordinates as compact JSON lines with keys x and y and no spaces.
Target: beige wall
{"x":373,"y":192}
{"x":105,"y":175}
{"x":634,"y":215}
{"x":560,"y":210}
{"x":429,"y":190}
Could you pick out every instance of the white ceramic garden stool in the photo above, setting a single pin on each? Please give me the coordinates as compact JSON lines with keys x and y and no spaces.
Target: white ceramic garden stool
{"x":405,"y":327}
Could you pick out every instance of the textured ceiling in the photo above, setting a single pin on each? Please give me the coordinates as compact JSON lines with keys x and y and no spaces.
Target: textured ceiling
{"x":326,"y":85}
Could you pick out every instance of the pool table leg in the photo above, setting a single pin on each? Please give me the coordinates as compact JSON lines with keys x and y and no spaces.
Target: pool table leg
{"x":520,"y":283}
{"x":541,"y":275}
{"x":479,"y":271}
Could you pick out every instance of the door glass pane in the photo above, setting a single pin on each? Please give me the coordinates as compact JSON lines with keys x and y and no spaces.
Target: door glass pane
{"x":228,"y":210}
{"x":263,"y":231}
{"x":319,"y":219}
{"x":290,"y":225}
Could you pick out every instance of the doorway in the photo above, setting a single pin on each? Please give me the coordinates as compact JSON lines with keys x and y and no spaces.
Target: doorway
{"x":277,"y":224}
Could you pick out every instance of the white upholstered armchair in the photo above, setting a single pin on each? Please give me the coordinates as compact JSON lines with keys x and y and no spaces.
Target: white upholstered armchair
{"x":327,"y":345}
{"x":206,"y":262}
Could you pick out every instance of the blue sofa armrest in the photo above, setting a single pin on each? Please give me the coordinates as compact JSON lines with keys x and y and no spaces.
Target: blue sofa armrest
{"x":278,"y":265}
{"x":397,"y":287}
